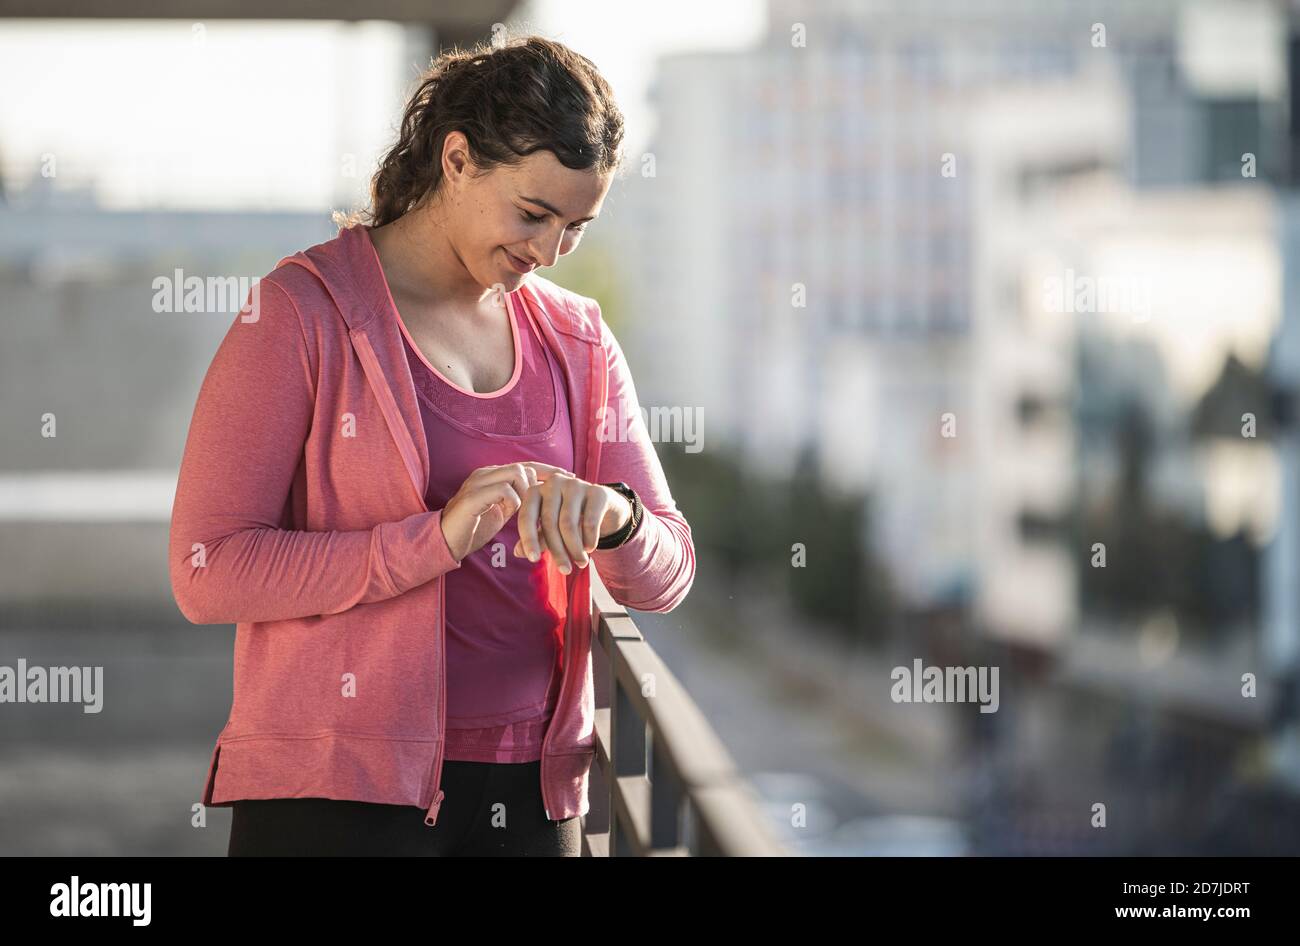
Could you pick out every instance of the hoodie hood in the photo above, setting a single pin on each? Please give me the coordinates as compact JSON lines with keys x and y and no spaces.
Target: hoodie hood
{"x":347,"y":267}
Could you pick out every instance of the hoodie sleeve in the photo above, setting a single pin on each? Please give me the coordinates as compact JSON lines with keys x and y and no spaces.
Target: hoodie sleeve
{"x":655,"y":568}
{"x":229,"y":560}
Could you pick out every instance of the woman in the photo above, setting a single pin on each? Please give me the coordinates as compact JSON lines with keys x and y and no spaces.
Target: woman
{"x":405,"y":453}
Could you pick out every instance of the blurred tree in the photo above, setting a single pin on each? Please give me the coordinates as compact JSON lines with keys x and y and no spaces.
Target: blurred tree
{"x":825,"y":587}
{"x":1157,"y":559}
{"x":748,"y":524}
{"x":593,"y":271}
{"x":1239,"y":389}
{"x":727,"y":511}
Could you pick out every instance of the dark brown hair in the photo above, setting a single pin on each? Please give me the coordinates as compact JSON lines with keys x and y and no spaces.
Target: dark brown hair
{"x":527,"y":95}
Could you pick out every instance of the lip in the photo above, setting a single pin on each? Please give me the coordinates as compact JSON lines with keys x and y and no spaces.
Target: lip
{"x":519,"y":265}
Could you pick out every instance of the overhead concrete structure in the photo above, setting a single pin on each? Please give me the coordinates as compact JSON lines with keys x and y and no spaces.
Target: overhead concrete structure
{"x":453,"y":22}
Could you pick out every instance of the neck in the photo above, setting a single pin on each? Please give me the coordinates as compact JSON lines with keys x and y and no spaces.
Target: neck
{"x":420,"y":262}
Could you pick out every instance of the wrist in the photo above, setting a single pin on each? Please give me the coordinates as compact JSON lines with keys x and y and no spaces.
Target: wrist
{"x":446,"y":540}
{"x":622,"y":505}
{"x":630,"y":525}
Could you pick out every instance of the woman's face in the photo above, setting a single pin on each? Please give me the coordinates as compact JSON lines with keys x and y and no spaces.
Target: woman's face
{"x":513,"y":219}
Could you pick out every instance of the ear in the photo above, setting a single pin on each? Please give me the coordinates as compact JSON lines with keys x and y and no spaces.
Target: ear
{"x":455,"y":156}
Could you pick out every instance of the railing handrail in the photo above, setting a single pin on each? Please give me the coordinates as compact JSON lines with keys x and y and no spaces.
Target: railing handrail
{"x":663,"y":784}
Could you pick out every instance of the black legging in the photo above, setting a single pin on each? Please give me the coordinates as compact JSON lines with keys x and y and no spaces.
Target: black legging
{"x":489,"y":809}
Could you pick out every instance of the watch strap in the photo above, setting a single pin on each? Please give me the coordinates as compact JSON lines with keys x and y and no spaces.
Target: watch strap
{"x":615,"y":539}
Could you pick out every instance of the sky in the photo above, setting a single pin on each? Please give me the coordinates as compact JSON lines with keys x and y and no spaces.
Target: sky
{"x":277,"y":114}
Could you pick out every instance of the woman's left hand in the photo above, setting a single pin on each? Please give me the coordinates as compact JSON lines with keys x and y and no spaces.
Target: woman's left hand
{"x":568,"y":515}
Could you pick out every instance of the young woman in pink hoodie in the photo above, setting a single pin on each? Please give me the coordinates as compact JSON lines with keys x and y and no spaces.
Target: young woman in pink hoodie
{"x":405,"y":454}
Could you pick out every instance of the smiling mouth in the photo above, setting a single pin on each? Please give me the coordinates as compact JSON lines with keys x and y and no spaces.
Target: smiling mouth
{"x":519,"y":265}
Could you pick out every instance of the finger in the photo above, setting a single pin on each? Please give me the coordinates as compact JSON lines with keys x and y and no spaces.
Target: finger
{"x":513,"y":472}
{"x":552,"y":499}
{"x":545,"y":471}
{"x":593,"y":514}
{"x":522,"y":479}
{"x":571,"y":512}
{"x":498,"y":494}
{"x":529,"y":513}
{"x":515,"y":478}
{"x":489,"y":474}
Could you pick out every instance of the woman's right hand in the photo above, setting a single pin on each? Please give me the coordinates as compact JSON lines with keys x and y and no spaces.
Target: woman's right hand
{"x":484,"y":503}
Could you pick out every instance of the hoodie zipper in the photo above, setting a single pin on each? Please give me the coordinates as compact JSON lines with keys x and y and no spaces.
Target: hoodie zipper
{"x":431,"y":816}
{"x":559,"y":705}
{"x":567,"y":655}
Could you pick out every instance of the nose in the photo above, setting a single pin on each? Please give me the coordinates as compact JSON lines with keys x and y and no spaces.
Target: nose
{"x":546,"y":252}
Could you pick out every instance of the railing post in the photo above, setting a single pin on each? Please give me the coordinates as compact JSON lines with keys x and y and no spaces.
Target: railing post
{"x":665,"y":801}
{"x":666,"y":784}
{"x":599,"y":789}
{"x":629,"y":756}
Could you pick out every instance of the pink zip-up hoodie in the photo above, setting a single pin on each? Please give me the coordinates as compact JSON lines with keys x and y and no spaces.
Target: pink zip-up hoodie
{"x":300,"y":517}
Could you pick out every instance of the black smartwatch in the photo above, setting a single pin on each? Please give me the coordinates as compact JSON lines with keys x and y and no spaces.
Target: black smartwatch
{"x":615,"y":539}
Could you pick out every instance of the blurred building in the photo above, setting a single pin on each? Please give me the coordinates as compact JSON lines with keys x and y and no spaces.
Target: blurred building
{"x":917,"y":173}
{"x":803,"y":232}
{"x":1027,"y":143}
{"x":88,"y":350}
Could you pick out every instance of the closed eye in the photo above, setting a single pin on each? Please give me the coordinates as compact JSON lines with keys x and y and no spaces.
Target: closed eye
{"x":534,"y":218}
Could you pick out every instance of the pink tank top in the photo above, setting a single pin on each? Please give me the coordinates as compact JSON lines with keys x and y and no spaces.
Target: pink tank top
{"x":505,"y":615}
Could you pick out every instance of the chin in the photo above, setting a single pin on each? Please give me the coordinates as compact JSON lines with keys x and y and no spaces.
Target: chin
{"x":492,"y":276}
{"x":514,"y":280}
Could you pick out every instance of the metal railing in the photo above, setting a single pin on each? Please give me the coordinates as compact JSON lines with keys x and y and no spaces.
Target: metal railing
{"x":662,"y":783}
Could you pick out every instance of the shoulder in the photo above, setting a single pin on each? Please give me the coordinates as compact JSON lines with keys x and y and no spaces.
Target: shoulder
{"x":299,"y":285}
{"x":568,"y":311}
{"x":296,"y":295}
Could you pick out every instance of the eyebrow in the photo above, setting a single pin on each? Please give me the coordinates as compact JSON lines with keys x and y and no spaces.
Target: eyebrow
{"x":541,"y":203}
